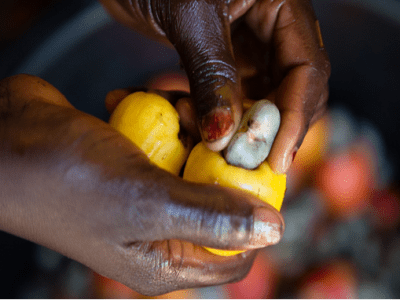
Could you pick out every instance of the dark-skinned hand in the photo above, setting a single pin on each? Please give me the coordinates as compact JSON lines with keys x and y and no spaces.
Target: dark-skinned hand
{"x":237,"y":49}
{"x":72,"y":183}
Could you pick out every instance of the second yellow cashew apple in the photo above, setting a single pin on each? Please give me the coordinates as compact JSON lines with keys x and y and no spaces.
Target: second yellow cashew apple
{"x":206,"y":166}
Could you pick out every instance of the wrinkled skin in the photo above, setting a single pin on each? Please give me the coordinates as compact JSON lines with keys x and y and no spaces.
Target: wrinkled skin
{"x":72,"y":183}
{"x":236,"y":49}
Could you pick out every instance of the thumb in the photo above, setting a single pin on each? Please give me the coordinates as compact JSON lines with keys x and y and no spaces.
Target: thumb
{"x":200,"y":32}
{"x":214,"y":216}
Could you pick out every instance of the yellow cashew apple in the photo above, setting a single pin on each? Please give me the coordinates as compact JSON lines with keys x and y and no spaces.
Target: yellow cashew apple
{"x":152,"y":123}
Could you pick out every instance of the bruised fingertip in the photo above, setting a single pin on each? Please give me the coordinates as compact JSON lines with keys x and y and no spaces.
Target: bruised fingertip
{"x":218,"y":127}
{"x":217,"y":124}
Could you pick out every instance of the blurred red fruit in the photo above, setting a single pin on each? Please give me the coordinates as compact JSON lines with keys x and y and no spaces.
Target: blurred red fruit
{"x":335,"y":280}
{"x":346,"y":180}
{"x":261,"y":282}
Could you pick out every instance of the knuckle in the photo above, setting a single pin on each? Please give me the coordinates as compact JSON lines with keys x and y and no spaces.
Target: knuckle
{"x":325,"y":66}
{"x":320,"y":70}
{"x":167,"y":267}
{"x":212,"y":82}
{"x":210,"y":71}
{"x":322,"y":66}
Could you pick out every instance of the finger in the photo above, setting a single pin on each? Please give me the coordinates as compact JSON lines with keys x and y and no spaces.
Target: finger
{"x":238,"y":8}
{"x":29,"y":87}
{"x":212,"y":216}
{"x":184,"y":264}
{"x":200,"y":32}
{"x":114,"y":97}
{"x":298,"y":107}
{"x":301,"y":70}
{"x":185,"y":109}
{"x":321,"y":107}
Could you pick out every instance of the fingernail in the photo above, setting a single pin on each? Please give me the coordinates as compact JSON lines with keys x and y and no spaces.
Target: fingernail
{"x":268,"y":228}
{"x":286,"y":161}
{"x":217,"y":124}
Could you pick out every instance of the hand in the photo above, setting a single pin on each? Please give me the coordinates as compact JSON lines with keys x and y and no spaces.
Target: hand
{"x":232,"y":50}
{"x":72,"y":183}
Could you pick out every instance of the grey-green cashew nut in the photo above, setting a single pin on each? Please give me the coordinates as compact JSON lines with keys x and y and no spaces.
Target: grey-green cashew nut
{"x":252,"y":142}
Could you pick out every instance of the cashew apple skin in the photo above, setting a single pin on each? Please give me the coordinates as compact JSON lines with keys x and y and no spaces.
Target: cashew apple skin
{"x":152,"y":123}
{"x":206,"y":166}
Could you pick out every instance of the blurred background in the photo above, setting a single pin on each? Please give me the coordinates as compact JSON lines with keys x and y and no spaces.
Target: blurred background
{"x":342,"y":206}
